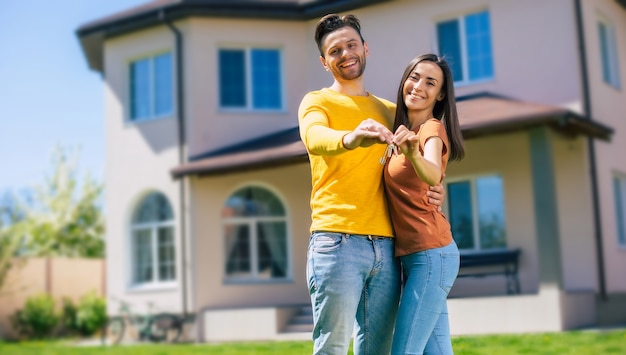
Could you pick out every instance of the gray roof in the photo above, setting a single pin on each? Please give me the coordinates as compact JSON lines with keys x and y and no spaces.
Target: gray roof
{"x":93,"y":34}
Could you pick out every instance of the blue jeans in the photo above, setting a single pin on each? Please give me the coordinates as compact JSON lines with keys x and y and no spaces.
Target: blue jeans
{"x":422,"y":326}
{"x":354,"y":282}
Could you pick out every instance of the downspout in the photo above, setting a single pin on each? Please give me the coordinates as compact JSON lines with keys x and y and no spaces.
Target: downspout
{"x":181,"y":153}
{"x":591,"y":149}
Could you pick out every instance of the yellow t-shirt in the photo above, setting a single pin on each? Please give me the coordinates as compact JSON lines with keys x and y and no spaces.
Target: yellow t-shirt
{"x":347,"y":188}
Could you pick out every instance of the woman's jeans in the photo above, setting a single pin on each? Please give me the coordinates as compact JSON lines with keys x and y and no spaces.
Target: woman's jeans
{"x":354,"y":282}
{"x":422,"y":326}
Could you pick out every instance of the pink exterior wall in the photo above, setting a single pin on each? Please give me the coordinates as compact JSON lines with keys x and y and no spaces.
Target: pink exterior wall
{"x":292,"y":185}
{"x":608,"y":105}
{"x":210,"y":127}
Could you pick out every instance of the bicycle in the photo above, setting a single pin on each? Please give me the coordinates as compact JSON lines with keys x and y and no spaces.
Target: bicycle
{"x":150,"y":327}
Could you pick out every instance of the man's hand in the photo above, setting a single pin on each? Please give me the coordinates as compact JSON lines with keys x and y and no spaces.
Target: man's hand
{"x":367,"y":133}
{"x":437,"y":195}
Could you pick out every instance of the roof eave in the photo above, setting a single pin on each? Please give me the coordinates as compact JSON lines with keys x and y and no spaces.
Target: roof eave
{"x":288,"y":154}
{"x":584,"y":125}
{"x":92,"y":47}
{"x":564,"y":122}
{"x":92,"y":35}
{"x":227,"y":169}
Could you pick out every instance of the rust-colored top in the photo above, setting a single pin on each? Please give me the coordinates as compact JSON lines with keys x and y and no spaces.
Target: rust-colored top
{"x":417,"y":224}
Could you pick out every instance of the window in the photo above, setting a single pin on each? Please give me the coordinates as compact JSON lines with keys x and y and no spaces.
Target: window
{"x":619,"y":183}
{"x":151,"y":87}
{"x":476,"y":213}
{"x":465,"y":42}
{"x":608,"y":51}
{"x":255,"y":232}
{"x":250,"y":79}
{"x":153,"y":241}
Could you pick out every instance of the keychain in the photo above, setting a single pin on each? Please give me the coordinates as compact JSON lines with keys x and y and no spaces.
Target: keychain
{"x":391,"y":149}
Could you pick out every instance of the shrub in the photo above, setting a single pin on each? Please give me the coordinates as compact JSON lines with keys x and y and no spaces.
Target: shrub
{"x":91,"y":314}
{"x":68,"y":316}
{"x":37,"y":319}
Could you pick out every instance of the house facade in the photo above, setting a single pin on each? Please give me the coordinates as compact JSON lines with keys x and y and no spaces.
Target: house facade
{"x":208,"y":184}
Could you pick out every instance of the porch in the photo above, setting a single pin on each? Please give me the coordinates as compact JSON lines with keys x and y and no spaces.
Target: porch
{"x":550,"y":310}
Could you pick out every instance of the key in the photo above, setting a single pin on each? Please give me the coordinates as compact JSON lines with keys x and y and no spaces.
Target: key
{"x":389,"y":151}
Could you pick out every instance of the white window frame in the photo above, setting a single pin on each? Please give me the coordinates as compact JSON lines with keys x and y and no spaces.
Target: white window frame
{"x":152,"y":115}
{"x":463,"y":41}
{"x":153,"y":227}
{"x":620,"y":209}
{"x":252,"y":222}
{"x":612,"y":60}
{"x":475,"y":210}
{"x":247,"y":49}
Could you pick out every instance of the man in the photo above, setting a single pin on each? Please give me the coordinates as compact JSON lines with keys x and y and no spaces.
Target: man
{"x":353,"y":277}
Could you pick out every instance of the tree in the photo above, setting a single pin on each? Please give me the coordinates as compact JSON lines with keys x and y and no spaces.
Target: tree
{"x":62,"y":216}
{"x":10,"y":218}
{"x":8,"y":246}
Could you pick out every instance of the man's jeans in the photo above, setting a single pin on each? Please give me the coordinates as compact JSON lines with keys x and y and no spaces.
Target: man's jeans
{"x":354,"y":282}
{"x":422,"y":326}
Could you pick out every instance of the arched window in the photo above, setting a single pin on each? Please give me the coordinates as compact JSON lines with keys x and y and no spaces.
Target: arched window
{"x":153,"y":251}
{"x":255,"y":232}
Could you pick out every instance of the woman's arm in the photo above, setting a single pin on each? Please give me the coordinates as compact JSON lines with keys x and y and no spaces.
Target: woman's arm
{"x":428,"y":166}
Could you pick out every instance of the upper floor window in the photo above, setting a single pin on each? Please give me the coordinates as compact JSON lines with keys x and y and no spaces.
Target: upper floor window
{"x":151,"y":89}
{"x":152,"y":243}
{"x":255,"y":231}
{"x":250,"y":78}
{"x":465,"y":42}
{"x":476,"y":212}
{"x":619,"y":184}
{"x":608,"y":51}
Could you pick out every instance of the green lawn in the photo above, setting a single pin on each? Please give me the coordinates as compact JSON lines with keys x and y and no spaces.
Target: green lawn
{"x":570,"y":343}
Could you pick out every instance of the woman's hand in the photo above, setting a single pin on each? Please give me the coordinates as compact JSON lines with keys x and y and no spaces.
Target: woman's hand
{"x":404,"y":138}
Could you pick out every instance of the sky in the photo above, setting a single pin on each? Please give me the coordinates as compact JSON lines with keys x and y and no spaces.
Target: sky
{"x":48,"y":95}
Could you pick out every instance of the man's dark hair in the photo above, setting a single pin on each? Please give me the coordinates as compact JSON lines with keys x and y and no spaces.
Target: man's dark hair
{"x":333,"y":22}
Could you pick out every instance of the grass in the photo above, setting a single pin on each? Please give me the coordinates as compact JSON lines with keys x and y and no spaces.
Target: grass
{"x":58,"y":348}
{"x":565,"y":343}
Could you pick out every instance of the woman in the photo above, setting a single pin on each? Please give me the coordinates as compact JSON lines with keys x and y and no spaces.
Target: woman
{"x":427,"y":133}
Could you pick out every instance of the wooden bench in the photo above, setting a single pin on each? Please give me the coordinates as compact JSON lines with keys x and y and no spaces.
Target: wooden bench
{"x":492,"y":262}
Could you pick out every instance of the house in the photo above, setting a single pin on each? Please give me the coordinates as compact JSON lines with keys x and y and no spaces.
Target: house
{"x":208,"y":184}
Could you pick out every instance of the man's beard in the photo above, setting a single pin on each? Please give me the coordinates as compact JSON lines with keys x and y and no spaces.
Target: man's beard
{"x":351,"y":75}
